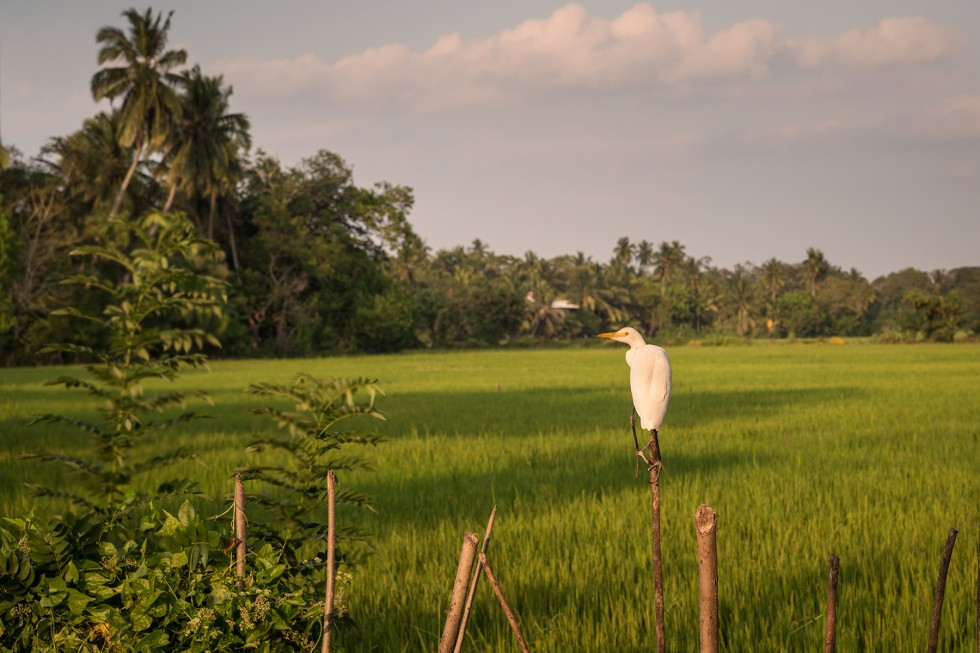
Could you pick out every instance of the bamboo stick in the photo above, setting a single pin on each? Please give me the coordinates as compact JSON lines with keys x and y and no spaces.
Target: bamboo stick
{"x":240,"y":531}
{"x":830,"y":632}
{"x":453,"y":619}
{"x":511,"y":618}
{"x":475,"y":579}
{"x":331,"y":561}
{"x":937,"y":600}
{"x":706,"y":520}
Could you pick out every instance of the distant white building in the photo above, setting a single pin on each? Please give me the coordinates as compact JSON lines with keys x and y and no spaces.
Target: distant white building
{"x":560,"y":303}
{"x":565,"y":305}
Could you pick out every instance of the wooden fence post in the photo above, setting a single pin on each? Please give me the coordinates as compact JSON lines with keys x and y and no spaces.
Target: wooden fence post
{"x":473,"y":583}
{"x":656,"y":465}
{"x":706,"y":520}
{"x":937,"y":600}
{"x":331,"y":561}
{"x":451,"y":629}
{"x":240,"y":531}
{"x":830,"y":633}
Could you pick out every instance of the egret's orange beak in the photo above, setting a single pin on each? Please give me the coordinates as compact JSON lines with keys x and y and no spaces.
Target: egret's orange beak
{"x":615,"y":334}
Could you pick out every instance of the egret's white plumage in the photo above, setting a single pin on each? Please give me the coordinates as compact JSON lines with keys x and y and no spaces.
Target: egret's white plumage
{"x":649,"y":376}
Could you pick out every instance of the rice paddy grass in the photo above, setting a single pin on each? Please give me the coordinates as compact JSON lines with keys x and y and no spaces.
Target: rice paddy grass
{"x":871,"y":452}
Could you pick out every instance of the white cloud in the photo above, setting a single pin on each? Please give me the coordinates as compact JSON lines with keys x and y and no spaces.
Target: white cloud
{"x":955,"y":117}
{"x":572,"y":50}
{"x":892,"y":42}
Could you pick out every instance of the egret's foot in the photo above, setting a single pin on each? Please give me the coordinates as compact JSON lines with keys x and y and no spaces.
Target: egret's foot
{"x":640,"y":456}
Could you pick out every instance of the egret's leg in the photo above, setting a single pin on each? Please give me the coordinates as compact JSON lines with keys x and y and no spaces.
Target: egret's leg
{"x":636,"y":443}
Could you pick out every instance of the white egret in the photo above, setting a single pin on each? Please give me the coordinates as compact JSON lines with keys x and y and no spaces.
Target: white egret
{"x":650,"y":385}
{"x":649,"y":380}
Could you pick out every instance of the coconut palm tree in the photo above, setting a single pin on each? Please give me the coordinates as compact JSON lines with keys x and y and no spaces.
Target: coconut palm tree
{"x":666,"y":262}
{"x":702,"y":296}
{"x":144,"y":80}
{"x":773,"y":276}
{"x":90,"y":163}
{"x":815,"y":267}
{"x":644,"y":255}
{"x":205,"y":144}
{"x":623,"y":252}
{"x":741,"y":296}
{"x":595,"y":291}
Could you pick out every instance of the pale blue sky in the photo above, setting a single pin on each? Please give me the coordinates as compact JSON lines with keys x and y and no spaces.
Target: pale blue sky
{"x":745,"y":130}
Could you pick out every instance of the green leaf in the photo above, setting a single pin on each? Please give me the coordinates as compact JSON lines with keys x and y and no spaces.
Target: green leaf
{"x":186,"y":514}
{"x":77,"y":601}
{"x":71,"y":572}
{"x":178,"y":559}
{"x":140,"y":621}
{"x":274,"y":573}
{"x":57,"y":585}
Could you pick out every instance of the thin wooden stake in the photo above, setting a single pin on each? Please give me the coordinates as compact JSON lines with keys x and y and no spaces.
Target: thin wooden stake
{"x":830,"y":633}
{"x":706,"y":520}
{"x":240,"y":531}
{"x":937,"y":600}
{"x":978,"y":594}
{"x":656,"y":464}
{"x":331,"y":561}
{"x":451,"y":629}
{"x":511,"y":618}
{"x":473,"y":583}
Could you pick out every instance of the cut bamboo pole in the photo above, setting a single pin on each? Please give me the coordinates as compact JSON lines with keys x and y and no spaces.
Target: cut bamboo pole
{"x":706,"y":520}
{"x":331,"y":561}
{"x":474,"y":581}
{"x":656,"y":464}
{"x":937,"y":600}
{"x":511,"y":618}
{"x":240,"y":531}
{"x":453,"y":619}
{"x":830,"y":633}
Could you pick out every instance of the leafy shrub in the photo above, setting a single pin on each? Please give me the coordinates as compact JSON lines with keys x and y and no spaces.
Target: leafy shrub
{"x":117,"y":572}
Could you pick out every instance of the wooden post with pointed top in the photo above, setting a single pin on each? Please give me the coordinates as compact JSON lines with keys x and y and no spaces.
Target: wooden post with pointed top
{"x":706,"y":520}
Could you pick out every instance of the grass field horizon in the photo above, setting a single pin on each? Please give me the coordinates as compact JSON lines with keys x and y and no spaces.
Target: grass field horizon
{"x":867,"y":451}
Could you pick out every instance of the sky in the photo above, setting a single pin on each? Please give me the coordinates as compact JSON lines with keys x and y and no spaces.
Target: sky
{"x":745,"y":130}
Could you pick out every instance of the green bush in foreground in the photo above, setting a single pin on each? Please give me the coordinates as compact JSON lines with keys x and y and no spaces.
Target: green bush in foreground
{"x":118,"y":572}
{"x":73,"y":585}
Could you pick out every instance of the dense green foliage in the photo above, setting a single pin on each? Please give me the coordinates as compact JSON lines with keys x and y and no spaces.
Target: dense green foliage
{"x":317,"y":264}
{"x":869,"y":451}
{"x":109,"y":568}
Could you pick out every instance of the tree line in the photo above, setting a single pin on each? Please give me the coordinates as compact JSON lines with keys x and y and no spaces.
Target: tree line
{"x":317,"y":264}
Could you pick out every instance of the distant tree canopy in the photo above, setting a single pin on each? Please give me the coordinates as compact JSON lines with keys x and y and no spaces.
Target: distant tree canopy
{"x":316,"y":264}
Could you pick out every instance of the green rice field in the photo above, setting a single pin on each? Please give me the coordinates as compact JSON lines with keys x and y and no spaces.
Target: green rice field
{"x":868,"y":451}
